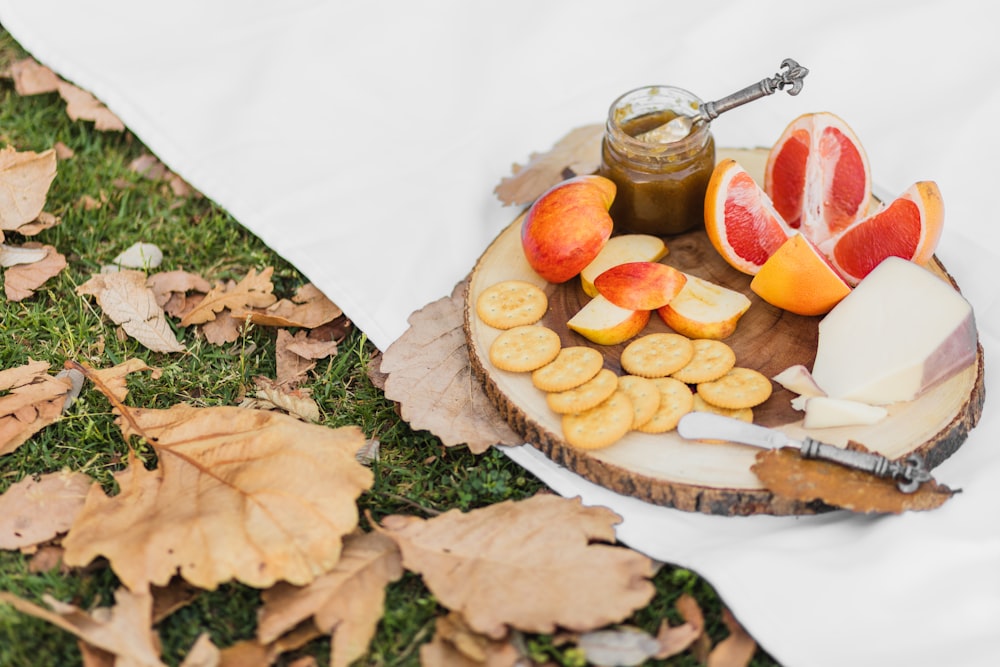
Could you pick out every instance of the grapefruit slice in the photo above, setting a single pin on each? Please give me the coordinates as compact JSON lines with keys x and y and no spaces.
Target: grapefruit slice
{"x":740,"y":220}
{"x":909,"y":227}
{"x":817,"y":175}
{"x":799,"y":279}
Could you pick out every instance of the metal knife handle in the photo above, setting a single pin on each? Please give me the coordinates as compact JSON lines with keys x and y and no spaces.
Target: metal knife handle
{"x":910,"y":473}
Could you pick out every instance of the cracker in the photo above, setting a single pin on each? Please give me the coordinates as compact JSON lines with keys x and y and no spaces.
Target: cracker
{"x":511,"y":303}
{"x":701,"y":405}
{"x":676,"y":400}
{"x":712,"y":359}
{"x":572,"y":367}
{"x":586,"y":396}
{"x":524,"y":348}
{"x":656,"y":355}
{"x":603,"y":425}
{"x":645,"y":397}
{"x":738,"y":388}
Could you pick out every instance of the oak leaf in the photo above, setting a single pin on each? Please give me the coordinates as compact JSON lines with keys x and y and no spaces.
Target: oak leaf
{"x":578,"y":152}
{"x":346,"y":602}
{"x":32,"y":78}
{"x":253,"y":291}
{"x":428,"y":374}
{"x":296,"y":355}
{"x":240,"y":494}
{"x":308,"y":309}
{"x":112,"y":382}
{"x":123,"y":630}
{"x":785,"y":473}
{"x":533,"y":565}
{"x":21,"y":281}
{"x":124,"y":297}
{"x":456,"y":645}
{"x":35,"y":510}
{"x":167,"y":284}
{"x":81,"y":105}
{"x":32,"y":401}
{"x":25,"y":178}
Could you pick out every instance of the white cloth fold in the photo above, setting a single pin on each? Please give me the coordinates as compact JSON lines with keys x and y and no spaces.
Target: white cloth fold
{"x":362,"y":141}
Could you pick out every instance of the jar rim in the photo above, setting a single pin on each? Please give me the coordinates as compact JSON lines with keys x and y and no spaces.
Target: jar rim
{"x":686,"y":101}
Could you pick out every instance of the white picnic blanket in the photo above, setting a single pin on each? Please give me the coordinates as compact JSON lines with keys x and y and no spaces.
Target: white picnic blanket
{"x":362,"y":141}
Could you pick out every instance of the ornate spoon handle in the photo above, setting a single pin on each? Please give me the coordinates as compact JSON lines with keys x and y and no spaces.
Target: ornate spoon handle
{"x":791,"y":78}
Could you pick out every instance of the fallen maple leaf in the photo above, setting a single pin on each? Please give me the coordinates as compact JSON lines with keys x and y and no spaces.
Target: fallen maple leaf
{"x":456,"y":645}
{"x":428,"y":374}
{"x":32,"y":78}
{"x":579,"y":152}
{"x":123,"y":630}
{"x":81,"y":105}
{"x":785,"y":473}
{"x":736,"y":650}
{"x":346,"y":602}
{"x":35,"y":510}
{"x":124,"y":297}
{"x":25,"y":178}
{"x":238,"y":494}
{"x":309,"y":308}
{"x":21,"y":281}
{"x":34,"y":399}
{"x":253,"y":291}
{"x":533,"y":565}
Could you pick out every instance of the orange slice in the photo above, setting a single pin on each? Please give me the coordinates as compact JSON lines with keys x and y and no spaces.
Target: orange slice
{"x":740,"y":220}
{"x":817,"y":176}
{"x":909,"y":227}
{"x":799,"y":279}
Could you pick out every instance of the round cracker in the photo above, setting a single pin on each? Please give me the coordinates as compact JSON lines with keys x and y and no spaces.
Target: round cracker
{"x":586,"y":396}
{"x":701,"y":405}
{"x":712,"y":359}
{"x":645,"y":397}
{"x":511,"y":303}
{"x":524,"y":348}
{"x":739,"y":388}
{"x":572,"y":367}
{"x":656,"y":355}
{"x":676,"y":400}
{"x":600,"y":426}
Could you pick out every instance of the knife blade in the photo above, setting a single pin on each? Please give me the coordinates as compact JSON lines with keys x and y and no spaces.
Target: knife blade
{"x":909,"y":473}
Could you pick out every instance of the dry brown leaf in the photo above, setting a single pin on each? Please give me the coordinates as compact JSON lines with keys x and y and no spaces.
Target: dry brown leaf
{"x":272,"y":396}
{"x":123,"y":630}
{"x":346,"y":602}
{"x":295,"y":355}
{"x":691,"y":612}
{"x":785,"y":473}
{"x":456,"y":645}
{"x":737,"y":649}
{"x":168,"y":599}
{"x":428,"y":374}
{"x":21,"y":281}
{"x":47,"y":558}
{"x":579,"y":152}
{"x":676,"y":639}
{"x":624,"y":646}
{"x":63,"y":152}
{"x":35,"y":510}
{"x":308,"y":309}
{"x":224,"y":329}
{"x":167,"y":283}
{"x":32,"y":78}
{"x":253,"y":291}
{"x":15,"y":255}
{"x":128,"y":302}
{"x":112,"y":381}
{"x":34,"y":399}
{"x":81,"y":105}
{"x":44,"y":221}
{"x":25,"y":178}
{"x":534,"y":565}
{"x":149,"y":167}
{"x":240,"y":494}
{"x":203,"y":653}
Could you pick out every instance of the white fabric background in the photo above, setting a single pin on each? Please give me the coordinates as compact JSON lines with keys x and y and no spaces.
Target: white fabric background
{"x":362,"y":141}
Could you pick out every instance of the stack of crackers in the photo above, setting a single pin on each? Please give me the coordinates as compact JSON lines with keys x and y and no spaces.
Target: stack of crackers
{"x":666,"y":375}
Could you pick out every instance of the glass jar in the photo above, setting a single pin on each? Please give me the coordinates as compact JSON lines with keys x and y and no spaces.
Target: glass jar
{"x":661,"y":186}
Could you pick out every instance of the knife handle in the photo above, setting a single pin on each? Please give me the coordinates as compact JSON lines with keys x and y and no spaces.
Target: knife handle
{"x":910,"y":473}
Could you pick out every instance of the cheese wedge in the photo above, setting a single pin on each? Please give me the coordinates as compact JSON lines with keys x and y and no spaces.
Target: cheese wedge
{"x":901,"y":331}
{"x":826,"y":412}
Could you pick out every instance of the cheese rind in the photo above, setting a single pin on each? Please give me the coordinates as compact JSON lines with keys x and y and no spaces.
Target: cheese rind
{"x":901,"y":331}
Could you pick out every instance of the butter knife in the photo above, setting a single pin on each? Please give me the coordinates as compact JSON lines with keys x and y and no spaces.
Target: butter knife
{"x":909,"y":473}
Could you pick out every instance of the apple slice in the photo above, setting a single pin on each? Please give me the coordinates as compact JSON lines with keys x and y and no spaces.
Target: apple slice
{"x":703,"y":309}
{"x":604,"y":323}
{"x":620,"y":250}
{"x":640,"y":285}
{"x":826,"y":412}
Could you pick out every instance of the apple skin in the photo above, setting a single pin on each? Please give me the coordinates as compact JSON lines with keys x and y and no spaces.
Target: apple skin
{"x":567,"y":226}
{"x":604,"y":323}
{"x":703,"y":309}
{"x":640,"y":285}
{"x":619,"y":250}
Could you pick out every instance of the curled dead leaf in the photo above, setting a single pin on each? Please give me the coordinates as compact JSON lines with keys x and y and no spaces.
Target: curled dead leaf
{"x":124,"y":297}
{"x":455,"y":644}
{"x":21,"y":281}
{"x":737,"y":649}
{"x":309,"y":308}
{"x":579,"y":152}
{"x":533,"y":565}
{"x":32,"y":401}
{"x":81,"y":105}
{"x":25,"y":178}
{"x":786,"y":473}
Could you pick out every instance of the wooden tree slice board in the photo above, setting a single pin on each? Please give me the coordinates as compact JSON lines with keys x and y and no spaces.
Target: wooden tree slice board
{"x":666,"y":469}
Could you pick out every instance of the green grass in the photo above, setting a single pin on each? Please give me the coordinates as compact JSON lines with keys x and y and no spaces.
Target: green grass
{"x":415,"y":474}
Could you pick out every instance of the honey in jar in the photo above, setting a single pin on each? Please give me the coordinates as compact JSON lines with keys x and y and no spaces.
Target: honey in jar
{"x":661,"y":186}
